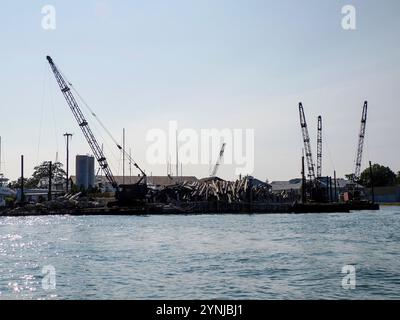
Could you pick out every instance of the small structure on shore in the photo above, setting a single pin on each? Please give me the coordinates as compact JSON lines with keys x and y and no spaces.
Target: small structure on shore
{"x":5,"y":191}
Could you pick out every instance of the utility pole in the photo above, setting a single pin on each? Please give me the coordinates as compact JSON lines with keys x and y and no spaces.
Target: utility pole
{"x":123,"y":156}
{"x":372,"y":182}
{"x":335,"y":180}
{"x":303,"y":181}
{"x":177,"y":156}
{"x":327,"y":189}
{"x":130,"y":165}
{"x":22,"y":180}
{"x":50,"y":177}
{"x":68,"y":136}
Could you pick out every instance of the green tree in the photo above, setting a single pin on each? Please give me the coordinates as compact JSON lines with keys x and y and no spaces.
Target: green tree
{"x":398,"y":177}
{"x":41,"y":172}
{"x":382,"y":176}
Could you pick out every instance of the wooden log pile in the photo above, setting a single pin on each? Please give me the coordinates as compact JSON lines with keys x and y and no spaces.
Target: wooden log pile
{"x":239,"y":191}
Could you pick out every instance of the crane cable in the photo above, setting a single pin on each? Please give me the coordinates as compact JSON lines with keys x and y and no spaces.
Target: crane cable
{"x":47,"y":98}
{"x":102,"y":124}
{"x":41,"y":113}
{"x":51,"y":96}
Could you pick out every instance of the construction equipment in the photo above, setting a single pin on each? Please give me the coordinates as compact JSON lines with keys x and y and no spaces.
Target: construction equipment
{"x":319,"y":148}
{"x":307,"y":145}
{"x":217,"y":164}
{"x":313,"y":190}
{"x":360,"y":147}
{"x":125,"y":194}
{"x":355,"y":195}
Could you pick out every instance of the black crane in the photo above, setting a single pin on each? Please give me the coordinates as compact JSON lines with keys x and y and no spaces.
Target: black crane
{"x":319,"y":148}
{"x":124,"y":193}
{"x":83,"y":124}
{"x":307,"y":145}
{"x":360,"y":147}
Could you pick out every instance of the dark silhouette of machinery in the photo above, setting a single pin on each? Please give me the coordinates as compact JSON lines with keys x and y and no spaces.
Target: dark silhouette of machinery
{"x":125,"y":194}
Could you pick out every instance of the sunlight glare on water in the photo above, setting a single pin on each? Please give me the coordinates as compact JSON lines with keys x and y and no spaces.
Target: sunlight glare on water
{"x":201,"y":257}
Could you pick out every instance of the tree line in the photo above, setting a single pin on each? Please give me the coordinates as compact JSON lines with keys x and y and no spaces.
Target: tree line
{"x":381,"y":177}
{"x":42,"y":173}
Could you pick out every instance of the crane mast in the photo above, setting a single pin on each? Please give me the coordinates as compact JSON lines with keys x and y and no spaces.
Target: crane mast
{"x":357,"y":171}
{"x":221,"y":154}
{"x":307,"y":145}
{"x":319,"y":148}
{"x":83,"y":124}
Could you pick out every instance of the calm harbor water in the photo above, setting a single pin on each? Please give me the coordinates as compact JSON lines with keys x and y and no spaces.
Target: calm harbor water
{"x":201,"y":257}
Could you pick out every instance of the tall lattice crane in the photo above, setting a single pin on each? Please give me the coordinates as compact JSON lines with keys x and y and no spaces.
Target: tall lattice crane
{"x":83,"y":124}
{"x":217,"y":164}
{"x":319,"y":148}
{"x":361,"y":138}
{"x":307,"y":145}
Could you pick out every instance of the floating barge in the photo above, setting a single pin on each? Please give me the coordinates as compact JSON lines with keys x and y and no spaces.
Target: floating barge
{"x":193,"y":208}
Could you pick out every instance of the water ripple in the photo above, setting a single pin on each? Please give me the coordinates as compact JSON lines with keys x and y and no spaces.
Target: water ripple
{"x":201,"y":257}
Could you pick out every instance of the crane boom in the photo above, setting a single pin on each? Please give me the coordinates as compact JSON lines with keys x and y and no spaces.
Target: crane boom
{"x":307,"y":145}
{"x":83,"y":124}
{"x":221,"y":154}
{"x":361,"y":137}
{"x":319,"y":148}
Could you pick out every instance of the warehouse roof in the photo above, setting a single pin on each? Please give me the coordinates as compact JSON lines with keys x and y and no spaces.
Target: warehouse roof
{"x":294,"y":184}
{"x":155,"y":180}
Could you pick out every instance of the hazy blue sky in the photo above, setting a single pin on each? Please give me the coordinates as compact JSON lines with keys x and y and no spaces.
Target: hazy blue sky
{"x":206,"y":64}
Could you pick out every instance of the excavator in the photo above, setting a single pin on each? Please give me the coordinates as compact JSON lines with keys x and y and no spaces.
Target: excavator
{"x":126,"y":195}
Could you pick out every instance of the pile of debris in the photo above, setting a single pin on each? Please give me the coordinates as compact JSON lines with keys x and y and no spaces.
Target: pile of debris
{"x":65,"y":204}
{"x":214,"y":189}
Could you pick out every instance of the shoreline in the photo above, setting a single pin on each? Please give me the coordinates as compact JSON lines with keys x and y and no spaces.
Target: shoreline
{"x":196,"y":209}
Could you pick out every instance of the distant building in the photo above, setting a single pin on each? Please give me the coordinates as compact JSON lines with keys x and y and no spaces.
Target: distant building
{"x":385,"y":194}
{"x":37,"y":195}
{"x":4,"y":190}
{"x":157,"y":181}
{"x":293,"y":185}
{"x":56,"y":184}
